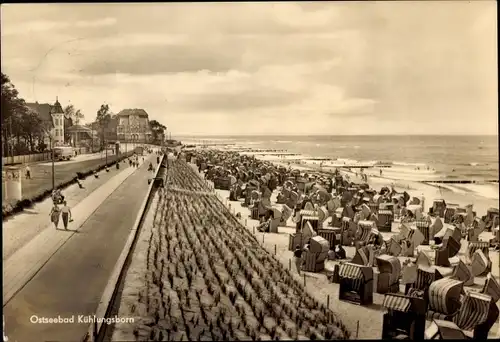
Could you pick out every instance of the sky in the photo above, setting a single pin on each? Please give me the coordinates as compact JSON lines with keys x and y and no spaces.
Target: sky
{"x":282,"y":68}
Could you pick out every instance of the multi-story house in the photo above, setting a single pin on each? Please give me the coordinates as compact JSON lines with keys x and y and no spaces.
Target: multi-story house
{"x":133,"y":126}
{"x":53,"y":120}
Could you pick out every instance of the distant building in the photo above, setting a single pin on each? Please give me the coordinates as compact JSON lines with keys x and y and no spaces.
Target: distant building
{"x":133,"y":126}
{"x":53,"y":120}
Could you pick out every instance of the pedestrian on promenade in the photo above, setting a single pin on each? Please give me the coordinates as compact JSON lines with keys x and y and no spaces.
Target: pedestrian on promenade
{"x":54,"y":215}
{"x":80,"y":185}
{"x":28,"y":172}
{"x":297,"y":258}
{"x":66,"y":214}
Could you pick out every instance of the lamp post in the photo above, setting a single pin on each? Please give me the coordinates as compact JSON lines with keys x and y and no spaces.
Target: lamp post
{"x":53,"y":165}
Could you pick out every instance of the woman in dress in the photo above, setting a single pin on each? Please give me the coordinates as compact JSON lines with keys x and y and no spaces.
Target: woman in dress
{"x":54,"y":215}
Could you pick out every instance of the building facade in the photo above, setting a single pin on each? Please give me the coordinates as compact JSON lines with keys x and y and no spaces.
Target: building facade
{"x":53,"y":121}
{"x":133,"y":126}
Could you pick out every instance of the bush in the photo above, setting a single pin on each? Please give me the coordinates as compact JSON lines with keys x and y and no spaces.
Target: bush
{"x":9,"y":209}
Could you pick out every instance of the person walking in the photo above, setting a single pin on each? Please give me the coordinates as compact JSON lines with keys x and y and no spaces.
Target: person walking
{"x":54,"y":215}
{"x":297,"y":258}
{"x":66,"y":214}
{"x":28,"y":172}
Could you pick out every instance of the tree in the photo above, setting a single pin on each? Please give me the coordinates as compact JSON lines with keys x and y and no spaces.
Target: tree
{"x":75,"y":115}
{"x":102,"y":119}
{"x":13,"y":110}
{"x":157,"y":130}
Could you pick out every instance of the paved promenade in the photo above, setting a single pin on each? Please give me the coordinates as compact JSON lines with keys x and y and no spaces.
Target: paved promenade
{"x":61,"y":273}
{"x":21,"y":228}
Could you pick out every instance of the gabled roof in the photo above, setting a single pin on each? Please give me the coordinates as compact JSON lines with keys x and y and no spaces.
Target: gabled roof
{"x":42,"y":109}
{"x":135,"y":111}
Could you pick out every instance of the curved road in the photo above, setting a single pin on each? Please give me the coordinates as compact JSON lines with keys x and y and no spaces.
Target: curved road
{"x":72,"y":281}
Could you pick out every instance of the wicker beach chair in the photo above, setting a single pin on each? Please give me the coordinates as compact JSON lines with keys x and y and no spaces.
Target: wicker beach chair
{"x":435,"y":227}
{"x":374,"y":207}
{"x":447,"y":250}
{"x":473,"y":311}
{"x":491,"y":220}
{"x":438,"y":208}
{"x":480,"y":264}
{"x":363,"y":232}
{"x":444,"y":330}
{"x":423,"y":225}
{"x":444,"y":298}
{"x":322,"y":216}
{"x":463,"y":273}
{"x":364,"y":256}
{"x":423,"y":259}
{"x":314,"y":258}
{"x":492,"y":288}
{"x":389,"y":268}
{"x":385,"y":220}
{"x":484,"y":246}
{"x":393,"y":247}
{"x":312,"y":220}
{"x":337,"y":218}
{"x":356,"y":284}
{"x":332,"y":235}
{"x":404,"y":315}
{"x":449,"y":212}
{"x":415,"y":237}
{"x":481,"y":331}
{"x":425,"y":276}
{"x":348,"y":231}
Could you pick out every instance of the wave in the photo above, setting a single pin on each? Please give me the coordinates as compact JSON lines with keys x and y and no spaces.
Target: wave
{"x":282,"y":141}
{"x":407,"y":164}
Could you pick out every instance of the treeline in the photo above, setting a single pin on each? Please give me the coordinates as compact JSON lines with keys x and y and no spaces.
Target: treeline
{"x":23,"y":130}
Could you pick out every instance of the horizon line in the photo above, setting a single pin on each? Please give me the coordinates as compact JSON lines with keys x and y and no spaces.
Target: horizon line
{"x":333,"y":135}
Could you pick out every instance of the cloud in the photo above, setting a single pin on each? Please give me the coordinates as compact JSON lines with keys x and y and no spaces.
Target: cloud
{"x":356,"y":67}
{"x":42,"y":26}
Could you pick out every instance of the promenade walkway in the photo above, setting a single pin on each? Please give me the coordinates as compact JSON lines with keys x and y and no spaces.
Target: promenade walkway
{"x":63,"y":273}
{"x":21,"y":228}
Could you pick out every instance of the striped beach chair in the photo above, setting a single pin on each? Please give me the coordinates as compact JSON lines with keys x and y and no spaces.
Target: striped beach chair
{"x":403,"y":315}
{"x":356,"y":284}
{"x":480,"y":264}
{"x":389,"y":268}
{"x":474,"y":311}
{"x":444,"y":298}
{"x":463,"y":273}
{"x":337,"y":218}
{"x":385,"y":220}
{"x":423,"y":225}
{"x":312,"y":220}
{"x":374,"y":207}
{"x":364,"y":230}
{"x":425,"y":277}
{"x":484,"y":246}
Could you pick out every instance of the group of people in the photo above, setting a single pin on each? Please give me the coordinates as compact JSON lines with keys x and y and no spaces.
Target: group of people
{"x":64,"y":212}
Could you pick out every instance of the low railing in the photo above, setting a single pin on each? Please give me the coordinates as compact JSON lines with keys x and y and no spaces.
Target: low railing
{"x":36,"y":157}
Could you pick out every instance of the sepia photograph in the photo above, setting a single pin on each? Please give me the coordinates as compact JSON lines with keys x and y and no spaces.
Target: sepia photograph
{"x":250,"y":171}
